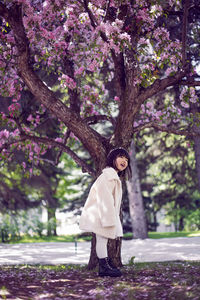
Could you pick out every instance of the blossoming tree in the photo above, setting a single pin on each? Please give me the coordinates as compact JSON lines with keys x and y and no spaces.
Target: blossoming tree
{"x":110,"y":58}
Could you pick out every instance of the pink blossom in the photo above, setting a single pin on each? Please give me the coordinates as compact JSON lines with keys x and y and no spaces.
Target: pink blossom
{"x":116,"y":98}
{"x":176,"y":120}
{"x":136,"y":81}
{"x":68,"y":82}
{"x":37,"y":149}
{"x":161,"y":34}
{"x":37,"y":119}
{"x":158,"y":114}
{"x":15,"y":133}
{"x":169,"y":71}
{"x":14,"y":107}
{"x":150,"y":105}
{"x":79,"y":71}
{"x":189,"y":94}
{"x":3,"y":115}
{"x":30,"y":118}
{"x":62,"y":29}
{"x":4,"y":134}
{"x":30,"y":158}
{"x":142,"y":41}
{"x":125,"y":36}
{"x":60,"y":140}
{"x":73,"y":136}
{"x":87,"y":87}
{"x":184,"y":104}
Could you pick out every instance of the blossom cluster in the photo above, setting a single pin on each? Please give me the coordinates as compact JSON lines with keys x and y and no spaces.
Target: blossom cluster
{"x":66,"y":81}
{"x":65,"y":35}
{"x":187,"y":95}
{"x":169,"y":113}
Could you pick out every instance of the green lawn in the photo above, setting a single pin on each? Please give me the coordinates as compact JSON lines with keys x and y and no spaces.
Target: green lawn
{"x":84,"y":237}
{"x":161,"y":235}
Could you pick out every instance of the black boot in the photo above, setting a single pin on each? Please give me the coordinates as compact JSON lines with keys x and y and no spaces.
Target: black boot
{"x":113,"y":266}
{"x":106,"y":270}
{"x":111,"y":263}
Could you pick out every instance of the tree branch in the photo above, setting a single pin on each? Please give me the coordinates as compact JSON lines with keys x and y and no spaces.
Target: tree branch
{"x":107,"y":9}
{"x":67,"y":134}
{"x":189,"y":82}
{"x":91,"y":16}
{"x":3,"y":11}
{"x":184,"y":32}
{"x":96,"y":119}
{"x":93,"y":20}
{"x":52,"y":142}
{"x":91,"y":140}
{"x":118,"y":60}
{"x":160,"y":85}
{"x":189,"y":134}
{"x":74,"y":97}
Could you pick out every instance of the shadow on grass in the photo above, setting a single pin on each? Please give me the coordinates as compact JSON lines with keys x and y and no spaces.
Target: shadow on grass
{"x":168,"y":280}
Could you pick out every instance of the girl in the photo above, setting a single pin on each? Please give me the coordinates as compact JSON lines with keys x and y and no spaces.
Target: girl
{"x":101,"y":211}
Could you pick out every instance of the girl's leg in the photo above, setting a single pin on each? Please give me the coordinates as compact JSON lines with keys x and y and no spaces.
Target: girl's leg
{"x":101,"y":246}
{"x":105,"y":269}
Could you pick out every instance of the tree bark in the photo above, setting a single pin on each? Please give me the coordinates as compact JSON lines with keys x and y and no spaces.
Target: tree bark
{"x":136,"y":201}
{"x":114,"y":251}
{"x":51,"y":230}
{"x":196,"y":139}
{"x":197,"y":153}
{"x":93,"y":261}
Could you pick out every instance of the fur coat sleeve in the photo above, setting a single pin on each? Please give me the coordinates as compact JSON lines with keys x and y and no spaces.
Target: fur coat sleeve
{"x":105,"y":201}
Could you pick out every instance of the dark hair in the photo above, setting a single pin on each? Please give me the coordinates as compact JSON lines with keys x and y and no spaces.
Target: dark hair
{"x":113,"y":154}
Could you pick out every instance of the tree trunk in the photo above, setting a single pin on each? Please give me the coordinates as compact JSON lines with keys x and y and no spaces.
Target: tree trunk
{"x":114,"y":252}
{"x":197,"y":153}
{"x":136,"y":205}
{"x":196,"y":139}
{"x":93,"y":261}
{"x":51,"y":225}
{"x":181,"y":224}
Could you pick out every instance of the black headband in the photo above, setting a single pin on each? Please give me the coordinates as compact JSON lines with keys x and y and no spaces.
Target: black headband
{"x":117,"y":148}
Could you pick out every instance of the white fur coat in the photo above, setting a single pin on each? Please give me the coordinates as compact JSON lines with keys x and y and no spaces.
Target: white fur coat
{"x":102,"y":208}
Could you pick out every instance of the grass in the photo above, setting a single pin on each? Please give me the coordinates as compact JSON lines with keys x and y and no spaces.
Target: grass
{"x":87,"y":237}
{"x":147,"y":281}
{"x":158,"y":235}
{"x":38,"y":239}
{"x":161,"y":235}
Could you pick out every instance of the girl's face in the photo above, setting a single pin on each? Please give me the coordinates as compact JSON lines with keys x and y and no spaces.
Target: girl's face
{"x":121,"y":163}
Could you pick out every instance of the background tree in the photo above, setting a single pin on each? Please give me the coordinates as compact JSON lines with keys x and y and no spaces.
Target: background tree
{"x":14,"y":194}
{"x":46,"y":175}
{"x":136,"y":205}
{"x":168,"y":176}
